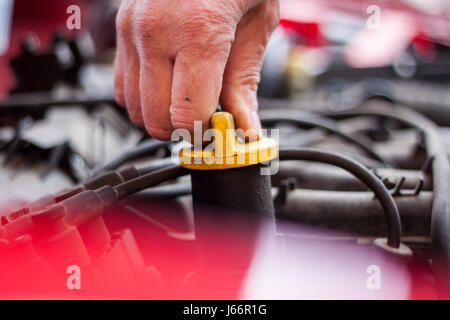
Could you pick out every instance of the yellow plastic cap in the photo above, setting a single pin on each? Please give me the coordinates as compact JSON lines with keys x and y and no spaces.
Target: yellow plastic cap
{"x":227,"y":151}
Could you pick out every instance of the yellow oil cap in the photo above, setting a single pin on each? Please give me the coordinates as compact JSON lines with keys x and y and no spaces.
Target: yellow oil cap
{"x":226,"y":151}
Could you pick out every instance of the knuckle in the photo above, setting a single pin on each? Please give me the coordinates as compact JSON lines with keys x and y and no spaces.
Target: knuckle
{"x":149,"y":42}
{"x":273,"y":13}
{"x":123,"y":24}
{"x":146,"y":25}
{"x":274,"y":20}
{"x":249,"y":78}
{"x":205,"y":29}
{"x":150,"y":34}
{"x":205,"y":47}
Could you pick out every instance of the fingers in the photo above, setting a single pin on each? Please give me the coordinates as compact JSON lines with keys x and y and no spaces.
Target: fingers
{"x":145,"y":68}
{"x":155,"y":93}
{"x":132,"y":85}
{"x":171,"y":60}
{"x":242,"y":73}
{"x":197,"y":82}
{"x":128,"y":75}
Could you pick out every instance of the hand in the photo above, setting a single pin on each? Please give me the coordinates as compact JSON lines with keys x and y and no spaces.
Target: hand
{"x":176,"y":59}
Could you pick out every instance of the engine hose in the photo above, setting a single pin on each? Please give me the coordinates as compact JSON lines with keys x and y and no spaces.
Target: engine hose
{"x":440,"y":167}
{"x":149,"y":180}
{"x":363,"y":174}
{"x":144,"y":149}
{"x":315,"y":121}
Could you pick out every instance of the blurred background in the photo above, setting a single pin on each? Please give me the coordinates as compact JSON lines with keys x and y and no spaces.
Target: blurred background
{"x":324,"y":56}
{"x":59,"y":125}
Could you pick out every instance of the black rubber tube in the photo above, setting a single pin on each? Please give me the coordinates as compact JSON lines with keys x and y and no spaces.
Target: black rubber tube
{"x":169,"y":191}
{"x":315,"y":121}
{"x":149,"y":180}
{"x":362,"y":173}
{"x":144,"y":149}
{"x":325,"y":177}
{"x":356,"y":212}
{"x":34,"y":100}
{"x":440,"y":215}
{"x":156,"y":165}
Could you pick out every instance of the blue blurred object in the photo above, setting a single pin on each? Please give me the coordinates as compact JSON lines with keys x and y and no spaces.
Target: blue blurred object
{"x":6,"y":10}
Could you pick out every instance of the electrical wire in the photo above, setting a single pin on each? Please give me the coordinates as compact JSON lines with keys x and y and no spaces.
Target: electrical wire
{"x":440,"y":167}
{"x":149,"y":180}
{"x":360,"y":172}
{"x":329,"y":126}
{"x":44,"y":100}
{"x":169,"y":191}
{"x":156,"y":165}
{"x":146,"y":148}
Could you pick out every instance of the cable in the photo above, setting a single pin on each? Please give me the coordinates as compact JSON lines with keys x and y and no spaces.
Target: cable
{"x":156,"y":165}
{"x":149,"y":180}
{"x":362,"y":173}
{"x":169,"y":191}
{"x":29,"y":101}
{"x":316,"y":121}
{"x":144,"y":149}
{"x":440,"y":215}
{"x":356,"y":212}
{"x":109,"y":178}
{"x":325,"y":177}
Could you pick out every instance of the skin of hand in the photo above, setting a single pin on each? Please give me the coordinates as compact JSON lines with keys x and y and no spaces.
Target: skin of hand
{"x":177,"y":59}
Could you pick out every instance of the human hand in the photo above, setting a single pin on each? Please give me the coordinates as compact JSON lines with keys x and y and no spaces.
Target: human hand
{"x":176,"y":60}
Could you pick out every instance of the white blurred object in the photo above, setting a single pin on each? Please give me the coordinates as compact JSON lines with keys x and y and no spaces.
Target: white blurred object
{"x":298,"y":263}
{"x":90,"y":134}
{"x":430,"y":6}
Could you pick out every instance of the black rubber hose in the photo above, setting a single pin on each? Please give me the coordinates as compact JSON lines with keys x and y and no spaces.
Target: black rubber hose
{"x":169,"y":191}
{"x":29,"y":101}
{"x":144,"y":149}
{"x":360,"y":172}
{"x":325,"y":177}
{"x":315,"y":121}
{"x":355,"y":212}
{"x":156,"y":165}
{"x":149,"y":180}
{"x":440,"y":215}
